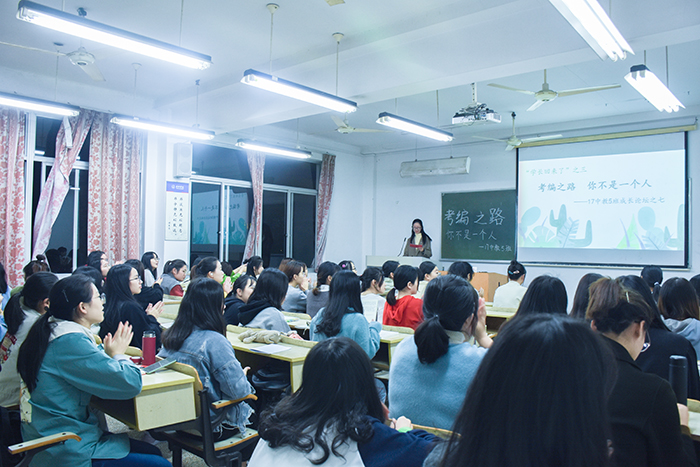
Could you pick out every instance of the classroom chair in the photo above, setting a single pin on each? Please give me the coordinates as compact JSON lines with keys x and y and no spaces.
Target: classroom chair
{"x":35,"y":446}
{"x":196,"y":436}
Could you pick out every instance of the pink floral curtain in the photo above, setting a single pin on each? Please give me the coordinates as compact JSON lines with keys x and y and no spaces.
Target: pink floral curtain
{"x":58,"y":183}
{"x":323,"y":207}
{"x":113,"y":191}
{"x":253,"y":244}
{"x":12,"y":193}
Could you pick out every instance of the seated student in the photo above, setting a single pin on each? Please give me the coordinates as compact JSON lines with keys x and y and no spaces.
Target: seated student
{"x":298,"y":284}
{"x":695,"y":282}
{"x":150,"y":261}
{"x":427,"y":272}
{"x":98,"y":260}
{"x":242,"y":290}
{"x":666,"y":343}
{"x":343,"y":315}
{"x":198,"y":338}
{"x":431,"y":371}
{"x":210,"y":267}
{"x":580,"y":305}
{"x":647,"y":423}
{"x":148,"y":295}
{"x":373,"y":287}
{"x":174,"y":272}
{"x":402,"y":308}
{"x":318,"y":298}
{"x":461,"y":269}
{"x":388,"y":269}
{"x":123,"y":282}
{"x":254,"y":266}
{"x":37,"y":265}
{"x":62,"y":368}
{"x":679,"y":306}
{"x":539,"y":399}
{"x":336,"y":419}
{"x":511,"y":293}
{"x":653,"y":276}
{"x":546,"y":294}
{"x":347,"y":265}
{"x":21,"y":312}
{"x":94,"y":274}
{"x":263,"y":308}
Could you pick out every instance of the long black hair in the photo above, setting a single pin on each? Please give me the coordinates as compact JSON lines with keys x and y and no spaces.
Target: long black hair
{"x":402,"y":276}
{"x":241,"y":283}
{"x":36,"y":289}
{"x":344,"y":297}
{"x":337,"y":392}
{"x":578,"y":309}
{"x":545,"y":294}
{"x":271,"y":288}
{"x":94,"y":259}
{"x":204,"y":267}
{"x":146,"y":261}
{"x":678,"y":300}
{"x":426,"y":268}
{"x":653,"y":276}
{"x":37,"y":265}
{"x":118,"y":293}
{"x":65,"y":296}
{"x":202,"y":307}
{"x":448,"y":302}
{"x":252,"y":264}
{"x":542,"y":391}
{"x":176,"y":264}
{"x":325,"y":270}
{"x":423,"y":234}
{"x":140,"y":269}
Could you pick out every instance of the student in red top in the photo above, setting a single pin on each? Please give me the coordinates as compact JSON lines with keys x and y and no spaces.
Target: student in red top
{"x":402,"y":308}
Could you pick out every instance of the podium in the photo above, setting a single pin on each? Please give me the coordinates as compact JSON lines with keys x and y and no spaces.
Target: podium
{"x":489,"y":281}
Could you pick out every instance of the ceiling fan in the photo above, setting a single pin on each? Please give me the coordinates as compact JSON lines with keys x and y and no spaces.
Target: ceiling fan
{"x":514,"y":141}
{"x":346,"y":129}
{"x":81,"y":58}
{"x":545,"y":94}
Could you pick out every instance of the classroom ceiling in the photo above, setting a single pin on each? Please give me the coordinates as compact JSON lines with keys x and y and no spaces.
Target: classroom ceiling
{"x":409,"y":57}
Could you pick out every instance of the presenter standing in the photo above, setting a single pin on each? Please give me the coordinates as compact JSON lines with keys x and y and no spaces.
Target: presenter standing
{"x":419,"y":242}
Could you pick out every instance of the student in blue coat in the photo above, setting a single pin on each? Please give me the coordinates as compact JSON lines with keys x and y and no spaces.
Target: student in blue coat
{"x":336,"y":419}
{"x":343,"y":315}
{"x":62,"y":368}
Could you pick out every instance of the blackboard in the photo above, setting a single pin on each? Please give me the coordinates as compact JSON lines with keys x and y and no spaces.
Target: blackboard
{"x":479,"y":225}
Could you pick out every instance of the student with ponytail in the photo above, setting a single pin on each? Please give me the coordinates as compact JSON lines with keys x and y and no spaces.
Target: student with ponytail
{"x":62,"y":368}
{"x":402,"y":308}
{"x":22,"y":311}
{"x":373,"y":287}
{"x":318,"y":298}
{"x":431,"y":371}
{"x":510,"y":294}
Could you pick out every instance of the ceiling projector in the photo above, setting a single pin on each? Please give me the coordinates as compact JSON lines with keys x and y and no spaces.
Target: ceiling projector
{"x":475,"y":113}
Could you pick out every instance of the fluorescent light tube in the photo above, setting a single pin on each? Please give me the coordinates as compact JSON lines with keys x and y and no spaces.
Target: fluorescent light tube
{"x":594,"y":25}
{"x":104,"y":34}
{"x":272,"y":149}
{"x":38,"y":105}
{"x":653,"y":90}
{"x":297,"y":91}
{"x":135,"y":122}
{"x":405,"y":124}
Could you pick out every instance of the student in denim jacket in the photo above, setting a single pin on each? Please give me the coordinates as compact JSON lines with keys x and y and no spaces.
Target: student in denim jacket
{"x":198,"y":338}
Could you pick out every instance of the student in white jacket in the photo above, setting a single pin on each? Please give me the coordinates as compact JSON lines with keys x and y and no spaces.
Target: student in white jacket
{"x":510,"y":294}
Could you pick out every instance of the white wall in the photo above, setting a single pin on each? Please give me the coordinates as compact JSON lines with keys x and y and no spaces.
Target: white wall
{"x":401,"y":200}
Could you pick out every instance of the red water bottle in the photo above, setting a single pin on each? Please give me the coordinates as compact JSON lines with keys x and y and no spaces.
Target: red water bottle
{"x":148,"y":347}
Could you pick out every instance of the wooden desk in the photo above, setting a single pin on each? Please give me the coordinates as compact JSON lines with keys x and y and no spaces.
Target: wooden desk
{"x":170,"y":308}
{"x":694,"y":419}
{"x":496,"y":317}
{"x":166,"y":398}
{"x":295,"y":356}
{"x":387,"y":345}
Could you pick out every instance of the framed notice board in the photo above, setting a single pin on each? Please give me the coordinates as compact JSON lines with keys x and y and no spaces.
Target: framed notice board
{"x":479,"y":225}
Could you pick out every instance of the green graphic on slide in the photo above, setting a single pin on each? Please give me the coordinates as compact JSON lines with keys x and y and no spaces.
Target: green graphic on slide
{"x":653,"y":238}
{"x":562,"y":236}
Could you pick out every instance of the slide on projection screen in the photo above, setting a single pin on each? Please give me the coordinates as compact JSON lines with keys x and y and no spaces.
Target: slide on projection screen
{"x":612,"y":202}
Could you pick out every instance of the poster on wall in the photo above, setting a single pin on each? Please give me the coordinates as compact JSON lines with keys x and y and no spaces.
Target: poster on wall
{"x":238,"y":210}
{"x":176,"y":211}
{"x":205,"y":217}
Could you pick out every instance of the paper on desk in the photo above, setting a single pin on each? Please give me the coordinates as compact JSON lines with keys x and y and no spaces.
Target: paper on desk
{"x":271,"y":348}
{"x":387,"y":334}
{"x":166,"y":324}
